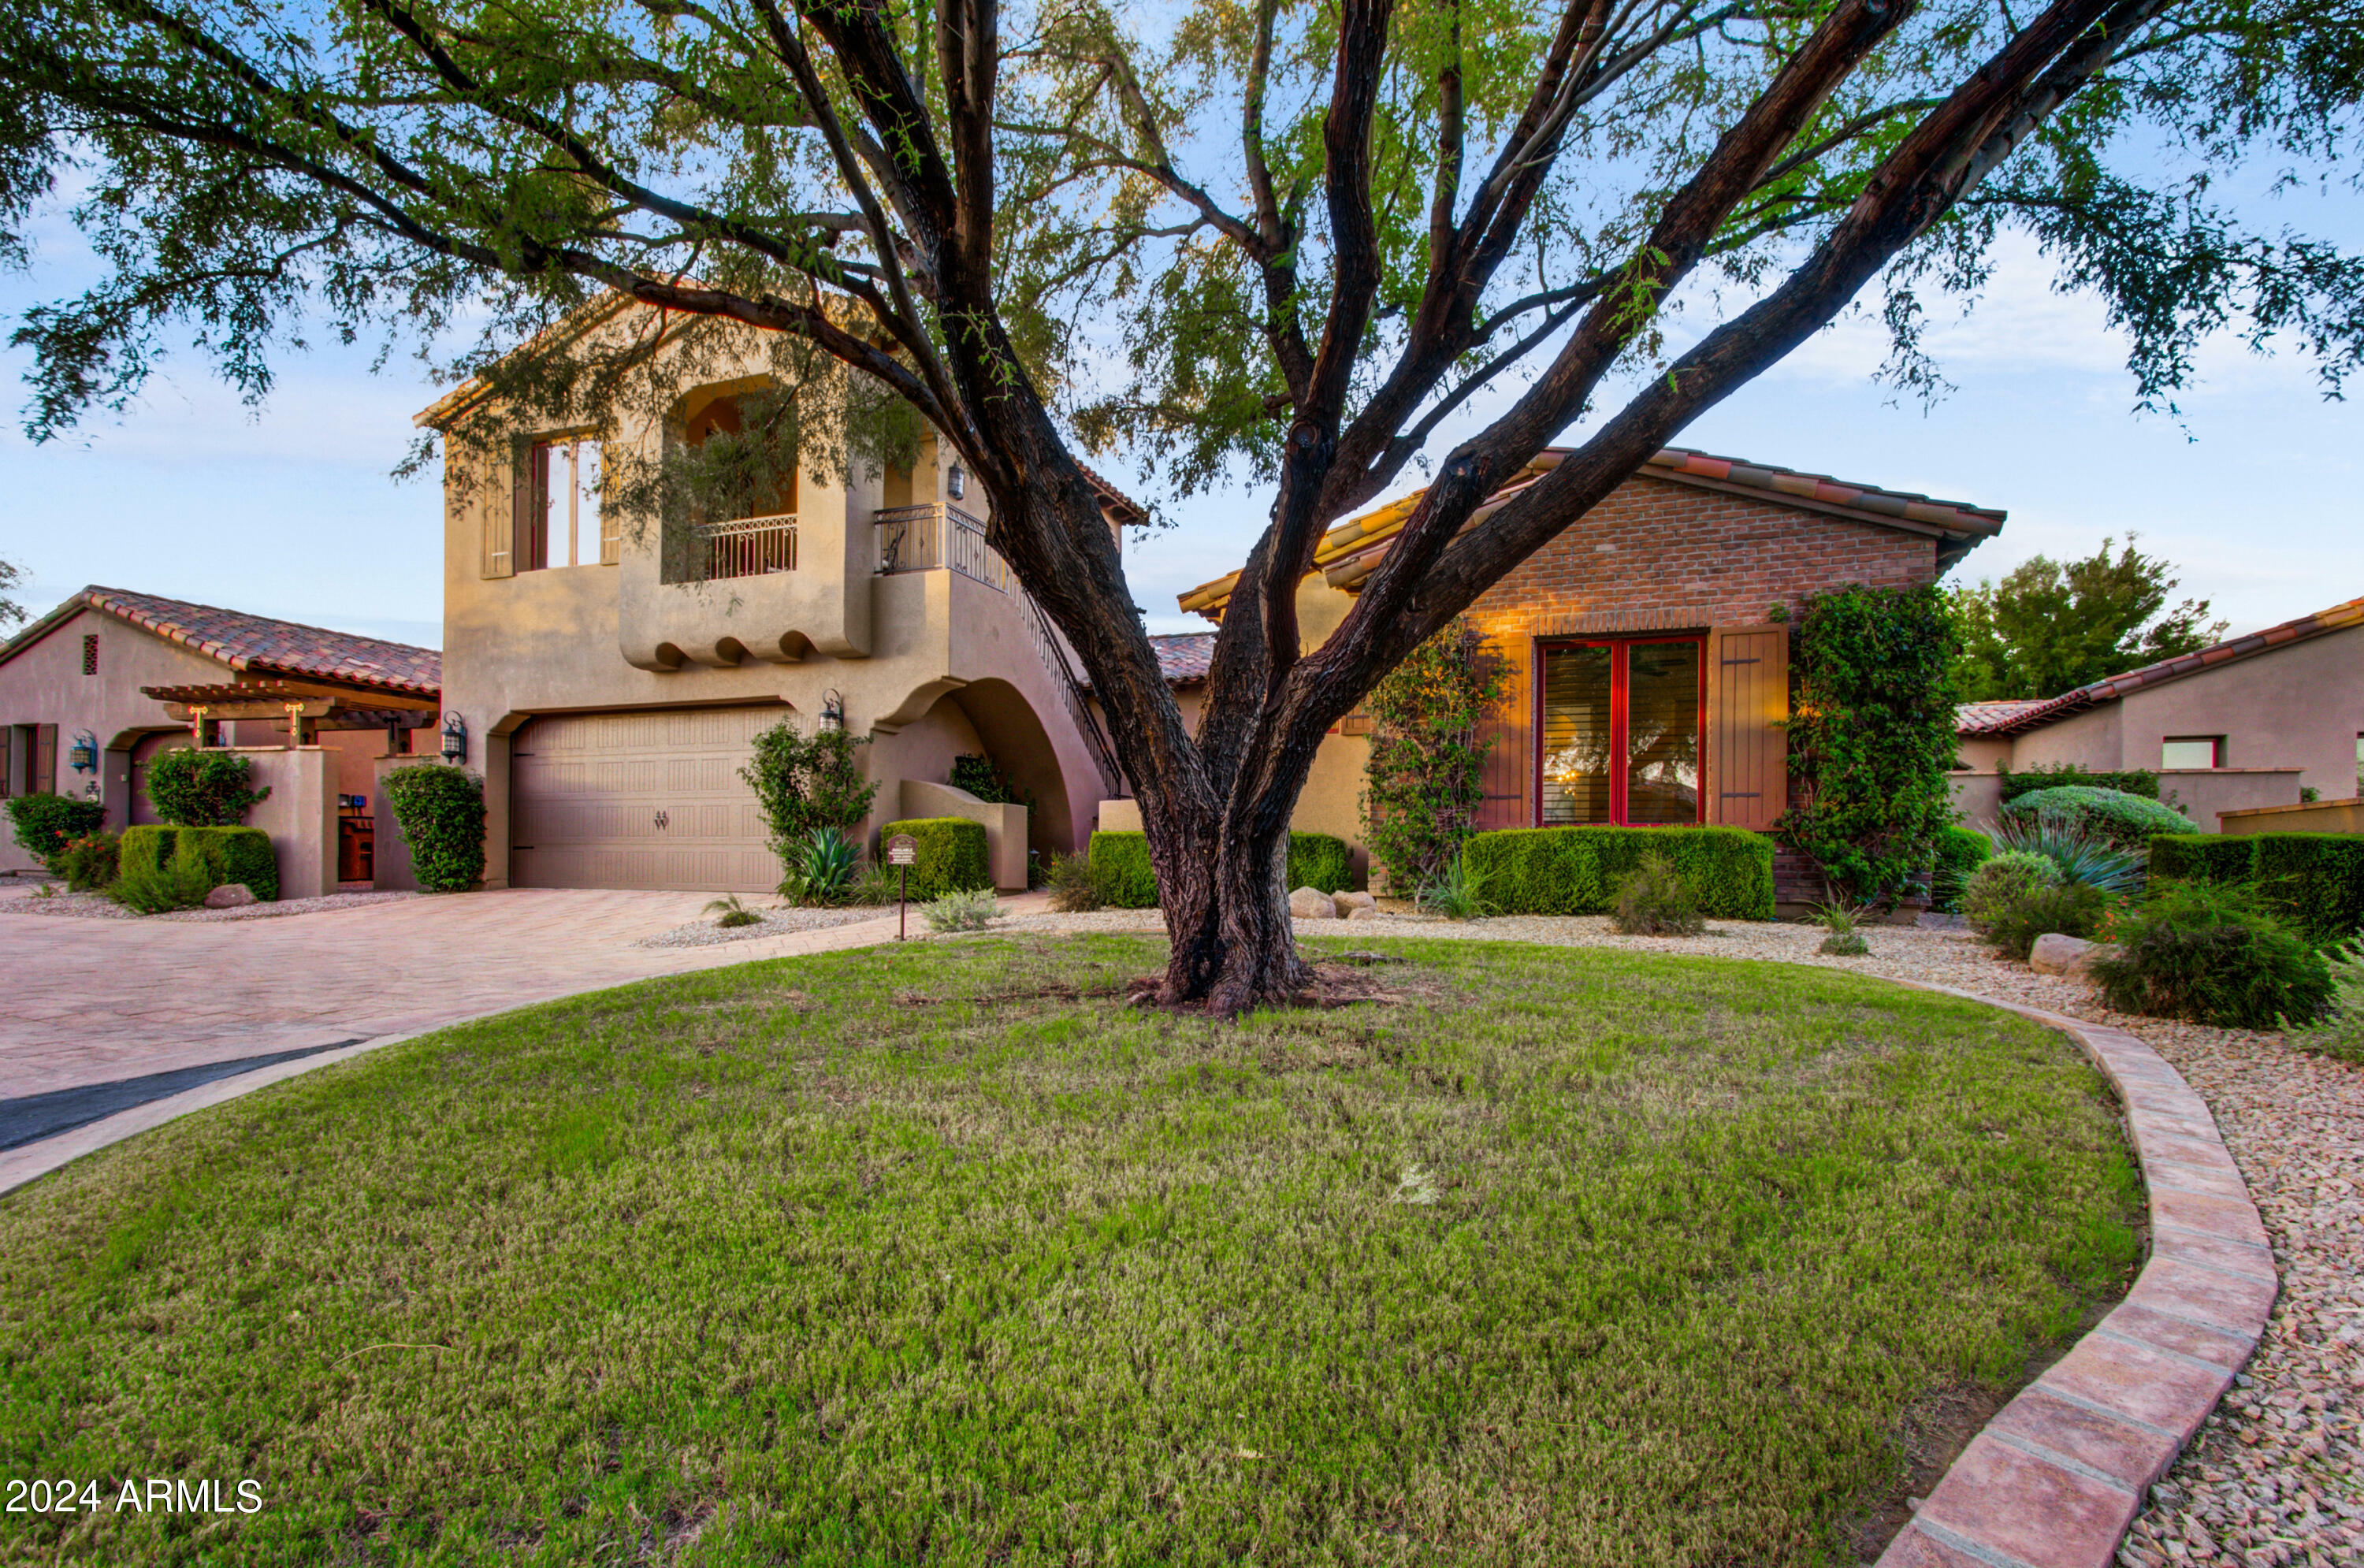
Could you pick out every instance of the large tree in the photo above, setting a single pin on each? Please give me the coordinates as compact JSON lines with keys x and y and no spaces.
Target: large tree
{"x":1303,"y":238}
{"x":2047,"y":628}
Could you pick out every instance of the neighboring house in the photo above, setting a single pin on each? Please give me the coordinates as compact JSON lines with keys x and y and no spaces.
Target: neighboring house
{"x":2244,"y":724}
{"x":1646,"y":647}
{"x":91,"y":692}
{"x":611,"y":677}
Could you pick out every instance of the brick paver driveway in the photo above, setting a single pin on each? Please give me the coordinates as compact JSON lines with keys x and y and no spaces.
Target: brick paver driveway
{"x":92,"y":1001}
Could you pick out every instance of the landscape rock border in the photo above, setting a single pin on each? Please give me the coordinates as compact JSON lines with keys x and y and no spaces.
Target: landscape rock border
{"x":2059,"y":1475}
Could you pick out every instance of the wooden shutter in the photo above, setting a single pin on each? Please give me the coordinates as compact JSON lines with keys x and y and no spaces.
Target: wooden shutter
{"x":1747,"y":697}
{"x":45,"y":759}
{"x":502,"y":525}
{"x":1509,"y":750}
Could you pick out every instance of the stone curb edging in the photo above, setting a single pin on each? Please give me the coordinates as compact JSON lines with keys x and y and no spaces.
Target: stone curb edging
{"x":2060,"y":1475}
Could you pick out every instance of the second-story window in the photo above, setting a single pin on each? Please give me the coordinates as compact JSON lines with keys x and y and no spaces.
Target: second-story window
{"x":565,"y":521}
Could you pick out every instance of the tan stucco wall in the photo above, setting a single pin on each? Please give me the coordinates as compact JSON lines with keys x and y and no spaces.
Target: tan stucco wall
{"x":1004,"y":825}
{"x":2299,"y":707}
{"x":588,"y":639}
{"x":300,"y":814}
{"x":43,"y":683}
{"x":2317,"y":816}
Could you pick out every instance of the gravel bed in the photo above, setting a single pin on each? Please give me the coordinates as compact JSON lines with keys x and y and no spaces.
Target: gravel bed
{"x":2277,"y":1475}
{"x":98,"y":906}
{"x":779,"y":922}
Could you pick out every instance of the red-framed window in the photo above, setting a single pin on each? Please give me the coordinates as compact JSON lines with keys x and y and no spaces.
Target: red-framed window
{"x":1622,"y":729}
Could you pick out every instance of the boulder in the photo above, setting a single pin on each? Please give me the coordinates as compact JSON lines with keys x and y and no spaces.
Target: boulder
{"x":2057,"y":954}
{"x":1363,"y":912}
{"x":1350,"y":902}
{"x":1313,"y":903}
{"x":229,"y":895}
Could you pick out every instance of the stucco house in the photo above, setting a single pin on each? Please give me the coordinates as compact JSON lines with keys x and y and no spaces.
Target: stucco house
{"x":2243,"y":726}
{"x":1646,"y":647}
{"x":610,"y":677}
{"x":91,"y":692}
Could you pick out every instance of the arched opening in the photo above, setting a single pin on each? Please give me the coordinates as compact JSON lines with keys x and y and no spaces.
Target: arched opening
{"x":1014,"y":737}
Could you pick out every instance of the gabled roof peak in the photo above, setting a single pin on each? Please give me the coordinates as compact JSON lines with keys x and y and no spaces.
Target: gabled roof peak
{"x":249,"y":643}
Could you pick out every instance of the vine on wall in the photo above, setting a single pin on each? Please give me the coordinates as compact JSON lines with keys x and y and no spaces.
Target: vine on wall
{"x":1425,"y":777}
{"x":1872,"y":738}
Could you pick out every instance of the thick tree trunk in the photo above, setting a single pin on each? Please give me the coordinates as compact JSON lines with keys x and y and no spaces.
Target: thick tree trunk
{"x":1227,"y":914}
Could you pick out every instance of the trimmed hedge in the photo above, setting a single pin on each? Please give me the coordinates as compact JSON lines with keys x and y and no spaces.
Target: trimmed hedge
{"x":2134,"y":782}
{"x":951,"y":855}
{"x":236,"y":854}
{"x":441,"y":811}
{"x":1960,"y":852}
{"x":1315,"y":859}
{"x":45,"y":823}
{"x":1574,"y":871}
{"x":2316,"y":880}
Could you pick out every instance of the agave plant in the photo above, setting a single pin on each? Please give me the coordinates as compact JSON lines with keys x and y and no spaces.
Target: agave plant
{"x":1844,"y":921}
{"x":2081,"y":854}
{"x":821,"y":868}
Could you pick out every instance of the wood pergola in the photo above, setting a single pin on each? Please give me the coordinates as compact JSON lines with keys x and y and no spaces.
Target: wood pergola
{"x":318,"y":704}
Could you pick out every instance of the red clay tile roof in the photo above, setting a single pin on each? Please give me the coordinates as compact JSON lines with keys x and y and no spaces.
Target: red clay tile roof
{"x":1183,"y":658}
{"x":247,"y":642}
{"x":1970,"y":717}
{"x":1353,"y":550}
{"x":2032,"y":715}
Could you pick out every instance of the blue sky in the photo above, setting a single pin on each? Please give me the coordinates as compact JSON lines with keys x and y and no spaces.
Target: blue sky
{"x":291,"y":512}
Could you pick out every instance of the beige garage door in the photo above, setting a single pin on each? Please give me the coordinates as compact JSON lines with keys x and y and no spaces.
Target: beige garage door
{"x":640,"y":800}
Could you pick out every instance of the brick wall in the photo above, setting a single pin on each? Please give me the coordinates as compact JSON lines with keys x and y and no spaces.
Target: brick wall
{"x":1662,"y":556}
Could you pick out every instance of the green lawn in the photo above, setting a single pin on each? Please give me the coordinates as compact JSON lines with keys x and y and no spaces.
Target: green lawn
{"x":942,"y":1255}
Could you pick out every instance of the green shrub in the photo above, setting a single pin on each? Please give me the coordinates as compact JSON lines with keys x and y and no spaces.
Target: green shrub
{"x":1319,"y":861}
{"x":190,"y":788}
{"x":2341,"y":1035}
{"x":1844,"y":922}
{"x":1078,"y":887}
{"x":92,"y":863}
{"x":242,"y":855}
{"x":43,"y":823}
{"x":2126,"y":822}
{"x":951,"y":855}
{"x":969,"y":909}
{"x":2214,"y":954}
{"x":2314,"y":880}
{"x":1571,"y":871}
{"x":2133,"y":782}
{"x":732,"y":913}
{"x":980,"y":777}
{"x":1423,"y":783}
{"x":1315,"y":859}
{"x":803,"y":782}
{"x":1960,"y":852}
{"x":1653,"y":901}
{"x":1457,"y":892}
{"x":441,"y":811}
{"x":2071,"y":908}
{"x":2003,"y":881}
{"x":181,"y":882}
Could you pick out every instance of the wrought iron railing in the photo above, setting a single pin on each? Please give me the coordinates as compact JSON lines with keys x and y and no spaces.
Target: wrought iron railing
{"x":746,"y":547}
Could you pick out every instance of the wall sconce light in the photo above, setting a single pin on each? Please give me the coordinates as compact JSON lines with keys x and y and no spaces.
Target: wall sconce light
{"x":455,"y":739}
{"x":832,"y":709}
{"x":956,"y":482}
{"x":84,"y":753}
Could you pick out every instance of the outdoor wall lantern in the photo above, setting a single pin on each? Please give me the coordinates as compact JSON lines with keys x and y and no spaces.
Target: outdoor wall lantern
{"x":455,"y":739}
{"x":957,"y":482}
{"x":832,"y":709}
{"x":85,"y":754}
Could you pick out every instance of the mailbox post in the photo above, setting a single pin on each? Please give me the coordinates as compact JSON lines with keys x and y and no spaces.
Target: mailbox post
{"x":901,"y":851}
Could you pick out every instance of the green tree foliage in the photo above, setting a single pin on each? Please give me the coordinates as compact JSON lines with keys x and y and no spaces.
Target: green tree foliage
{"x":190,"y":788}
{"x":1873,"y":738}
{"x":12,"y":577}
{"x":1425,"y":782}
{"x":2047,"y":628}
{"x":441,"y":811}
{"x":1290,"y":240}
{"x":45,"y":824}
{"x":804,"y":782}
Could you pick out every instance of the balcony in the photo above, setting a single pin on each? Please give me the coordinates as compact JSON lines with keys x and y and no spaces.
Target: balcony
{"x":934,"y":538}
{"x":746,"y":547}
